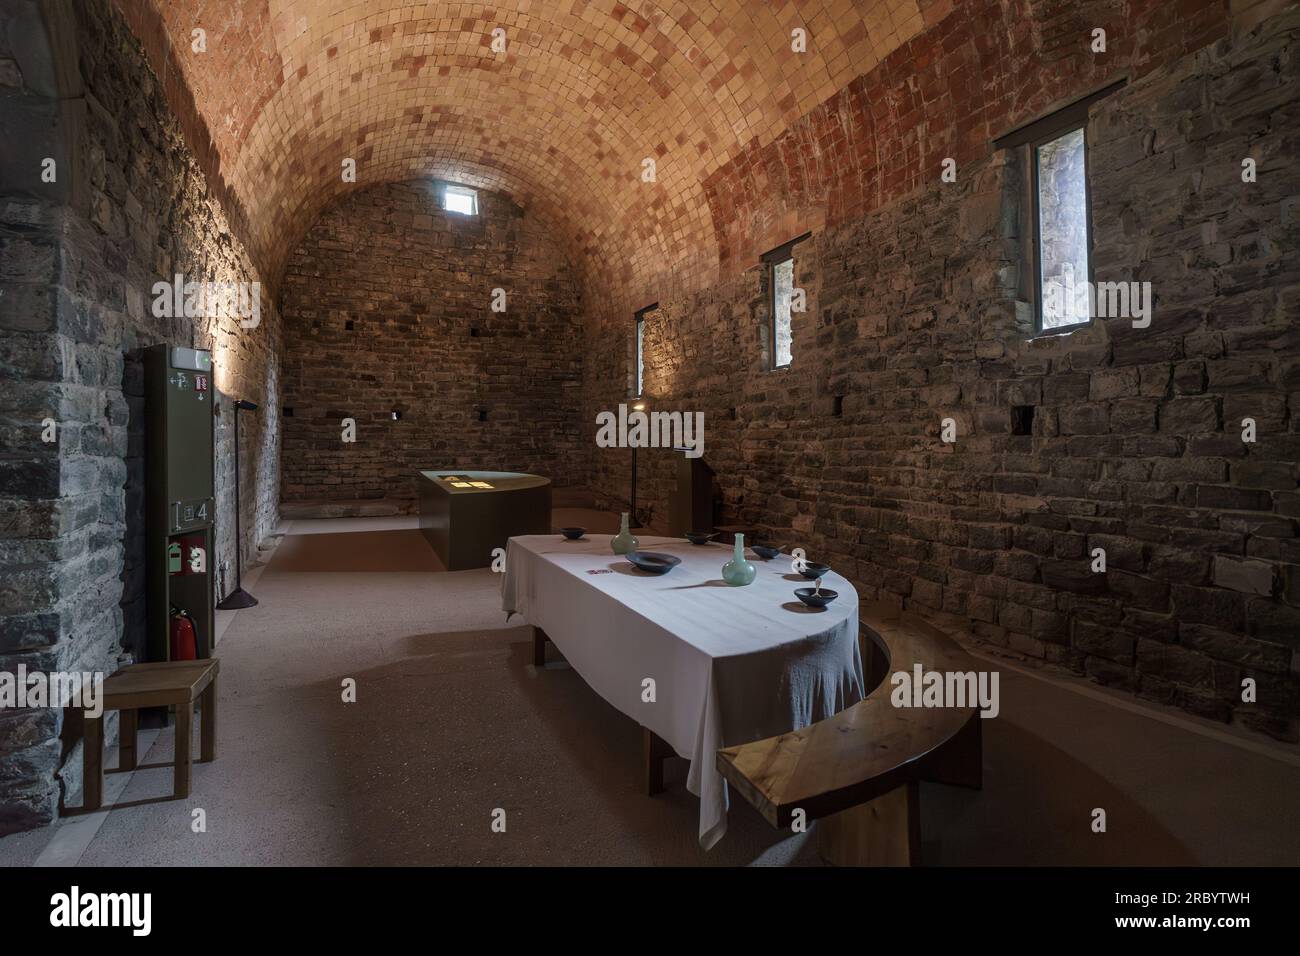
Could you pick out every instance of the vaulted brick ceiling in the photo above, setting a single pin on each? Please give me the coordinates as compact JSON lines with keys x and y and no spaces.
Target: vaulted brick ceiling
{"x":562,"y":121}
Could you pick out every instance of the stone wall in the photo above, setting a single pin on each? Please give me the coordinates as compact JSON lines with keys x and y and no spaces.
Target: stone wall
{"x":388,"y":307}
{"x":1135,"y":444}
{"x":128,"y":208}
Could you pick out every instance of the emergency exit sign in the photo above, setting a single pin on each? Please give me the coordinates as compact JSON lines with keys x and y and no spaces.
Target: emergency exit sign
{"x":192,"y":360}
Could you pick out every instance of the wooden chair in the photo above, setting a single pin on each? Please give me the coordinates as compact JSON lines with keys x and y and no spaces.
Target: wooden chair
{"x":859,"y":771}
{"x":171,"y":683}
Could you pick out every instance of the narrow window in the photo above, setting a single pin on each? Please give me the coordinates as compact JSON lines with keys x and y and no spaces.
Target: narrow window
{"x":640,"y":348}
{"x":1055,"y":216}
{"x":782,"y":290}
{"x":780,"y":296}
{"x":460,"y":199}
{"x":1060,"y":174}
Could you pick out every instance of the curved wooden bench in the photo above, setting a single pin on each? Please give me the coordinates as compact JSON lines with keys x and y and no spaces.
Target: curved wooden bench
{"x":859,"y":771}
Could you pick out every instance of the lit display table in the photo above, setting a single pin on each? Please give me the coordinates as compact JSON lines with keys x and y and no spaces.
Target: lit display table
{"x":467,"y":514}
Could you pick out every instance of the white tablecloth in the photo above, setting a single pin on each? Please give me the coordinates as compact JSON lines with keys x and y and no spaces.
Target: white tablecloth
{"x":730,"y":664}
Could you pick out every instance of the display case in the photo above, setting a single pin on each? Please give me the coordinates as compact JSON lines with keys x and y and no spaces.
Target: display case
{"x":466,"y":515}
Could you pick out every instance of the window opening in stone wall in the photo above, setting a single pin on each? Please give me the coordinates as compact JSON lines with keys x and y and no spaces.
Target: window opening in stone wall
{"x":1061,"y":200}
{"x":1022,"y":419}
{"x":780,"y":296}
{"x":460,"y":199}
{"x":639,"y":358}
{"x":1056,"y":214}
{"x":782,"y":290}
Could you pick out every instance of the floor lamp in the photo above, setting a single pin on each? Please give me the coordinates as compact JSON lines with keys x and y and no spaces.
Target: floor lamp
{"x":238,"y":598}
{"x":638,"y":406}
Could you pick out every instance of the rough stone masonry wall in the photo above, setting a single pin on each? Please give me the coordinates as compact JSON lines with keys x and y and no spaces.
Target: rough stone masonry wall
{"x":387,"y":306}
{"x":1136,"y":439}
{"x":129,"y":208}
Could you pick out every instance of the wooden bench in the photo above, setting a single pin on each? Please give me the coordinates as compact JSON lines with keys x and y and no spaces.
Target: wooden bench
{"x":162,"y":684}
{"x":859,"y":772}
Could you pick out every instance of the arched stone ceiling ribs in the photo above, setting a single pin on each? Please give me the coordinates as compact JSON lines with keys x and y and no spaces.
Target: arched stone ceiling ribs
{"x":562,"y":120}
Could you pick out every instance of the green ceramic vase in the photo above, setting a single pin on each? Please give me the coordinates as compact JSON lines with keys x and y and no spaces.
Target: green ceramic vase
{"x":624,"y":541}
{"x":738,"y":572}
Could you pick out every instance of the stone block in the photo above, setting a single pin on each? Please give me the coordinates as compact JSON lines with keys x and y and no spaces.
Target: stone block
{"x":1073,"y":576}
{"x":1189,"y":416}
{"x":1216,"y":607}
{"x":1084,"y":419}
{"x":1227,"y":498}
{"x":1249,"y":577}
{"x":1138,"y":591}
{"x":1106,"y":642}
{"x":1176,"y":664}
{"x":1133,"y":416}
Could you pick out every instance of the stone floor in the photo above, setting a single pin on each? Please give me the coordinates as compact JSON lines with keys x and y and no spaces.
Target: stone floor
{"x":452,"y":721}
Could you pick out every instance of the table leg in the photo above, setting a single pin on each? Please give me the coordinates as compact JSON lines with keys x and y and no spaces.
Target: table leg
{"x":184,"y":729}
{"x":128,"y":722}
{"x":92,"y":763}
{"x":208,"y":724}
{"x":539,"y":647}
{"x":655,"y":751}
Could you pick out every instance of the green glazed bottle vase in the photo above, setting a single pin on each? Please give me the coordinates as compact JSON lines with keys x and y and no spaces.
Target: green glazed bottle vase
{"x":624,"y":541}
{"x":738,"y":572}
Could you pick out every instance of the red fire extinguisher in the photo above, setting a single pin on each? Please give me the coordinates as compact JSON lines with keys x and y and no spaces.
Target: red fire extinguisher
{"x":184,"y":637}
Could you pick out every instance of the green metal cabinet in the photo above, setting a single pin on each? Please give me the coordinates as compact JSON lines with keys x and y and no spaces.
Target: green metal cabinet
{"x":180,"y":502}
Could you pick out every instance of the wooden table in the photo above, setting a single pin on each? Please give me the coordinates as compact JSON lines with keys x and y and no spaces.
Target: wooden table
{"x":162,"y":684}
{"x":698,"y":664}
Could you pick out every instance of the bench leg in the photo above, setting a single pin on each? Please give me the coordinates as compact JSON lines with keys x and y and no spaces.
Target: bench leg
{"x":539,"y":647}
{"x":208,"y":723}
{"x":885,"y":831}
{"x":128,"y":722}
{"x":655,"y":752}
{"x":960,"y":762}
{"x":92,"y":764}
{"x":184,"y":730}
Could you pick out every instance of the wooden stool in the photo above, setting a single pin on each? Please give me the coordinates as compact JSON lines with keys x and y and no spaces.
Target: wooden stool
{"x":177,"y":683}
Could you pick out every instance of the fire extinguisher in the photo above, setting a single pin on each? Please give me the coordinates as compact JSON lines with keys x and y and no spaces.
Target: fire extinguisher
{"x":184,"y":637}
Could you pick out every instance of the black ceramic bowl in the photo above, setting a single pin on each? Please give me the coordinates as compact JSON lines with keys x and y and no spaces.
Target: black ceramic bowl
{"x":653,"y":561}
{"x":573,"y":534}
{"x":812,"y":570}
{"x":765,"y":551}
{"x":813,"y":598}
{"x":699,"y":537}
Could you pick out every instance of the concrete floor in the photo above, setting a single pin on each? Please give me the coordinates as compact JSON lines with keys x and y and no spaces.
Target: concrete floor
{"x":452,"y":721}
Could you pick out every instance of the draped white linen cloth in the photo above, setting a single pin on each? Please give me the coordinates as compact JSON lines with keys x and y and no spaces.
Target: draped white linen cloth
{"x":729,"y":664}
